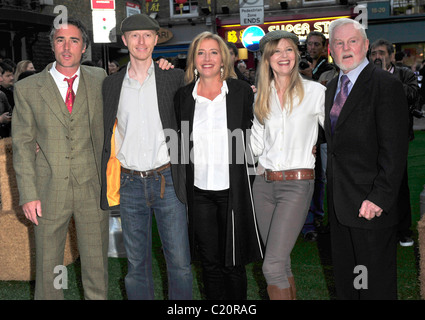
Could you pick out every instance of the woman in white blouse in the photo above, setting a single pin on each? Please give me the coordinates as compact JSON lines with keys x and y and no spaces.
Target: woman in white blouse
{"x":214,"y":113}
{"x":288,"y":111}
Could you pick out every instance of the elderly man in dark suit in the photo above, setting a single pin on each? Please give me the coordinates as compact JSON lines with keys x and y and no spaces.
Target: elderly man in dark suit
{"x":138,"y":172}
{"x":382,"y":54}
{"x":366,"y":126}
{"x":59,"y":112}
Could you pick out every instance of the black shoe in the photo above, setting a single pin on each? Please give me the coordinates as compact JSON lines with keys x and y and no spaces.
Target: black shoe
{"x":406,"y":241}
{"x":310,"y":236}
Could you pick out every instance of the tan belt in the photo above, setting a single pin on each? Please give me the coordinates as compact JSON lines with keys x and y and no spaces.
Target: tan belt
{"x":298,"y":174}
{"x":150,"y":173}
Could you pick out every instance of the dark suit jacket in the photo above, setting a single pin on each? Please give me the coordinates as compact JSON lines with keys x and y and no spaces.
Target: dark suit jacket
{"x":242,"y":240}
{"x":167,"y":83}
{"x":367,"y":153}
{"x":411,"y":89}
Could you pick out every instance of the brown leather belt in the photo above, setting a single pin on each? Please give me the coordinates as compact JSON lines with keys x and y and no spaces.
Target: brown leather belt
{"x":298,"y":174}
{"x":150,"y":173}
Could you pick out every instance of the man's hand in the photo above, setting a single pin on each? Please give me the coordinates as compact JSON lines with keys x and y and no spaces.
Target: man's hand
{"x":369,"y":210}
{"x":5,"y":117}
{"x":164,"y":64}
{"x":32,"y":209}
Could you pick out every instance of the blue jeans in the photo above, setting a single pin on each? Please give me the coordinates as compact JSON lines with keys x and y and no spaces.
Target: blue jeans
{"x":316,"y":207}
{"x":140,"y":197}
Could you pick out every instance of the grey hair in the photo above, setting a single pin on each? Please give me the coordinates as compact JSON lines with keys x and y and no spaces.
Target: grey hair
{"x":343,"y":21}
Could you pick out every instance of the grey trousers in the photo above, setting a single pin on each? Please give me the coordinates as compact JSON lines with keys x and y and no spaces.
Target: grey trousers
{"x":281,"y":208}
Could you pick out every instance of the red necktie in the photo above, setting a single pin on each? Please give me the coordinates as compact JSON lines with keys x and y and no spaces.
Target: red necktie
{"x":70,"y":95}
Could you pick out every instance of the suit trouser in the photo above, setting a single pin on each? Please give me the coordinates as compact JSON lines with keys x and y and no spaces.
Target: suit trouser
{"x":92,"y":225}
{"x":281,"y":208}
{"x":373,"y":252}
{"x":404,"y":208}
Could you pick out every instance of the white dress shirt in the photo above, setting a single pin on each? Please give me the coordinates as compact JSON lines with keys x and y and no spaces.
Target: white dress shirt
{"x":139,"y":136}
{"x":210,"y":141}
{"x":286,"y":141}
{"x":61,"y":84}
{"x":352,"y":75}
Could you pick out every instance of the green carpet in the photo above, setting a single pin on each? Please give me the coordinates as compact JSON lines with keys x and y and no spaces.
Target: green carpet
{"x":311,"y":262}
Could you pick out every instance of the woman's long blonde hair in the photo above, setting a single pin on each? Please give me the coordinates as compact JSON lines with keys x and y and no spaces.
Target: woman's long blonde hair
{"x":295,"y":89}
{"x":228,"y":68}
{"x":21,"y":67}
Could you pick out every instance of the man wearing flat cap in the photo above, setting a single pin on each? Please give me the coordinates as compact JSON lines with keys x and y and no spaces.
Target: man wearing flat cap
{"x":138,"y":175}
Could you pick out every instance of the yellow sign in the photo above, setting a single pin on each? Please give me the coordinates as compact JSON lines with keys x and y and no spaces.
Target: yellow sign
{"x":233,"y":33}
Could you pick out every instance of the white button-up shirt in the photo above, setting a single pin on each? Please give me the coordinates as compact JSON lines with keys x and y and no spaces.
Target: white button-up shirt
{"x":352,"y":76}
{"x":286,"y":141}
{"x":61,"y":84}
{"x":139,"y":136}
{"x":210,"y":141}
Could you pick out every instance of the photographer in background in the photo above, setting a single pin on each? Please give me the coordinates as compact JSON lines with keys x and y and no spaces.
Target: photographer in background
{"x":382,"y":55}
{"x":234,"y":55}
{"x":316,"y":56}
{"x":313,"y":64}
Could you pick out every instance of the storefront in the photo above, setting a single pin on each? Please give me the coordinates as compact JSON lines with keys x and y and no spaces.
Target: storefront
{"x":19,"y":29}
{"x":299,"y":24}
{"x":402,"y":25}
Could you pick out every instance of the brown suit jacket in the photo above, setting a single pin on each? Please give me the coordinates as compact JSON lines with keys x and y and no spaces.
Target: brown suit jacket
{"x":38,"y":118}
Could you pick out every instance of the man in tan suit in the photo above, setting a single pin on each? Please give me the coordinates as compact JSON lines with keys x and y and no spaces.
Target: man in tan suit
{"x":57,"y":144}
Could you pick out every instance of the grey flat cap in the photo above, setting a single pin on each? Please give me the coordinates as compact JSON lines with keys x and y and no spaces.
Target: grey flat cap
{"x":277,"y":35}
{"x":139,"y":21}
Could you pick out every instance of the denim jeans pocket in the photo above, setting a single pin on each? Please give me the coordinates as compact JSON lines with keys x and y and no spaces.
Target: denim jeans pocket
{"x":124,"y":180}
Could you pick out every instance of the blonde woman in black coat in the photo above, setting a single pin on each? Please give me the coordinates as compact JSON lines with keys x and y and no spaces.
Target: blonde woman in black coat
{"x":214,"y":112}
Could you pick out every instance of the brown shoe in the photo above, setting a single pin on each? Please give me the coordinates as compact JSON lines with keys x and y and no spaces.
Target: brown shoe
{"x":276,"y":293}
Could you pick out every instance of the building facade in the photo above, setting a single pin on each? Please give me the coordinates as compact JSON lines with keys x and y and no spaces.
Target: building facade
{"x":25,"y":24}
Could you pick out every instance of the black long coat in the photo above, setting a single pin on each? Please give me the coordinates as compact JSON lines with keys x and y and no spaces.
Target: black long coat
{"x":243,"y":243}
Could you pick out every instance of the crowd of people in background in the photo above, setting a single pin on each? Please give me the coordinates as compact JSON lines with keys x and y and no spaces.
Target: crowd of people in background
{"x":305,"y":138}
